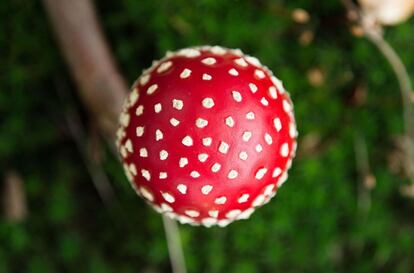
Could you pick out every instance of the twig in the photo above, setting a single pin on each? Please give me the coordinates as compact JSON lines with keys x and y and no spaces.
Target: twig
{"x":364,"y":173}
{"x":101,"y":86}
{"x":174,"y":245}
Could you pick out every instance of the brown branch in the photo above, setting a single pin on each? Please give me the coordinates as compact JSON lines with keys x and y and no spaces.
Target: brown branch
{"x":100,"y":84}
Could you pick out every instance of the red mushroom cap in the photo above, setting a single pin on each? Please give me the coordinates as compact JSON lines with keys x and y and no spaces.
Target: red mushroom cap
{"x":207,"y":135}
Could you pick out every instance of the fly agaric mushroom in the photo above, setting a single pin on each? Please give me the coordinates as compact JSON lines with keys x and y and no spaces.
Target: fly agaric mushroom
{"x":207,"y":135}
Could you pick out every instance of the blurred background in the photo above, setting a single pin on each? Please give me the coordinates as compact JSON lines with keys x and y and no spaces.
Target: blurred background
{"x":348,"y":205}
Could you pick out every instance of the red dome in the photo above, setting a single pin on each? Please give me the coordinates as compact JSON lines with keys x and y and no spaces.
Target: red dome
{"x":207,"y":135}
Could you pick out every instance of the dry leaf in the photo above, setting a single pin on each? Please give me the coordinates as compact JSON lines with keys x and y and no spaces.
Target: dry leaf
{"x":300,"y":16}
{"x":14,"y":197}
{"x":316,"y":76}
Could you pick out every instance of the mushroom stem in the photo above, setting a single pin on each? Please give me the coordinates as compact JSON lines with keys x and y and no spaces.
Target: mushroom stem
{"x":174,"y":245}
{"x":375,"y":36}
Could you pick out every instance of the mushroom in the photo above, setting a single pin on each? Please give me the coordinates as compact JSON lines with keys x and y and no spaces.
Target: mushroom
{"x":388,"y":12}
{"x":207,"y":135}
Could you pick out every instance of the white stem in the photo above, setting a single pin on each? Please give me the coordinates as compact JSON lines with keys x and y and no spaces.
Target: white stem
{"x":174,"y":245}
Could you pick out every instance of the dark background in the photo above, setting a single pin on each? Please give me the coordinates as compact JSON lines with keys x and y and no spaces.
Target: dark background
{"x":334,"y":214}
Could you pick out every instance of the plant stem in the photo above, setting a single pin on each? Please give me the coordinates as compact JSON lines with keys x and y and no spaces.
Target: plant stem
{"x":174,"y":245}
{"x":375,"y":36}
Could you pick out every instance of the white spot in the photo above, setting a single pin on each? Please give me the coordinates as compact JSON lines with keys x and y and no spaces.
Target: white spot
{"x":264,"y":101}
{"x":243,"y":198}
{"x":208,"y":103}
{"x":260,"y":199}
{"x":152,"y":89}
{"x":268,"y":139}
{"x":273,"y":92}
{"x":168,"y":197}
{"x":233,"y":213}
{"x":158,"y":135}
{"x":247,"y":135}
{"x":133,"y":97}
{"x":253,"y":87}
{"x":216,"y":167}
{"x":220,"y":200}
{"x":223,"y":223}
{"x":236,"y":96}
{"x":195,"y":174}
{"x":233,"y":72}
{"x":144,"y":79}
{"x":164,"y":67}
{"x":278,"y":83}
{"x":182,"y":188}
{"x":243,"y":155}
{"x":206,"y":189}
{"x":213,"y":213}
{"x":124,"y":119}
{"x":143,"y":152}
{"x":245,"y":214}
{"x":232,"y":174}
{"x":185,"y":74}
{"x":259,"y":73}
{"x":289,"y":163}
{"x":174,"y":122}
{"x":224,"y":147}
{"x":209,"y":61}
{"x":139,"y":111}
{"x":229,"y":121}
{"x":208,"y":222}
{"x":253,"y":60}
{"x":120,"y":133}
{"x":128,"y":146}
{"x":282,"y":179}
{"x":260,"y":173}
{"x":258,"y":148}
{"x":286,"y":106}
{"x":146,"y":194}
{"x":241,"y":62}
{"x":185,"y":220}
{"x":163,"y":175}
{"x":284,"y":150}
{"x":189,"y":52}
{"x":276,"y":172}
{"x":292,"y":130}
{"x":218,"y":50}
{"x":177,"y":104}
{"x":183,"y":161}
{"x":250,"y":116}
{"x":269,"y":189}
{"x":236,"y":52}
{"x":157,"y":107}
{"x":207,"y":77}
{"x":140,"y":131}
{"x":278,"y":124}
{"x":166,"y":208}
{"x":207,"y":141}
{"x":192,"y":213}
{"x":123,"y":152}
{"x":146,"y":174}
{"x":133,"y":169}
{"x":163,"y":155}
{"x":201,"y":123}
{"x":202,"y":157}
{"x":187,"y":141}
